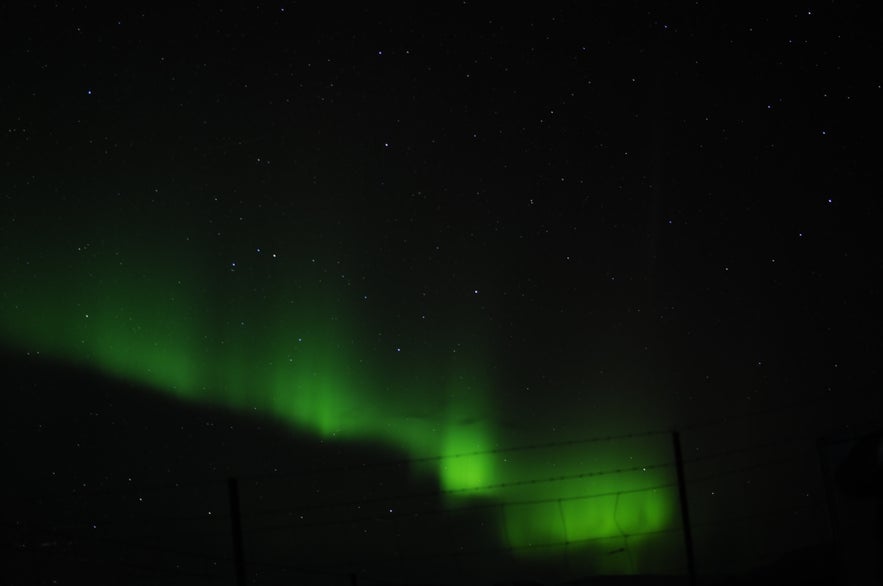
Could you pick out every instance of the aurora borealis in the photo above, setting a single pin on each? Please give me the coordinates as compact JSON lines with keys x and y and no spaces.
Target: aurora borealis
{"x":433,"y":288}
{"x":301,"y":357}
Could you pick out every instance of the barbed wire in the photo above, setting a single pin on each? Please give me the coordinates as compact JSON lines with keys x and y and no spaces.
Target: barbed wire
{"x":402,"y":462}
{"x":459,"y":455}
{"x":326,"y":569}
{"x":386,"y":500}
{"x":526,"y":482}
{"x":221,"y":515}
{"x":472,"y":489}
{"x":454,"y":510}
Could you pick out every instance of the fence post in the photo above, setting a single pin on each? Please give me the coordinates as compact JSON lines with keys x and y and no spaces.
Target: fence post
{"x":685,"y":513}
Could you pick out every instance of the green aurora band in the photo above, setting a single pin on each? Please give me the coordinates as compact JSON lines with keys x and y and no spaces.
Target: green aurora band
{"x":192,"y":332}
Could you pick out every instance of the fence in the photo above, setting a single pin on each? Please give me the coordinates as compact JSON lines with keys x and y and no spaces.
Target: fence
{"x":380,"y":522}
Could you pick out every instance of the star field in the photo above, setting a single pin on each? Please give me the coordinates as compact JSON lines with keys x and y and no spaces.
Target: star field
{"x":435,"y":281}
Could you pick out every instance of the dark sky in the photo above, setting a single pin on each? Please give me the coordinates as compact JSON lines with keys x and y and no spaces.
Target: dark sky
{"x":279,"y":243}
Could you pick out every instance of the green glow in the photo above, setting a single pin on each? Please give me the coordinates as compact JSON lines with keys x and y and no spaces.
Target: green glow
{"x":297,"y":355}
{"x":566,"y":513}
{"x":466,"y":429}
{"x":466,"y":473}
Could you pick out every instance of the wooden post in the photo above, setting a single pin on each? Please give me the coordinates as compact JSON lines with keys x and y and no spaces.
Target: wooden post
{"x":685,"y":513}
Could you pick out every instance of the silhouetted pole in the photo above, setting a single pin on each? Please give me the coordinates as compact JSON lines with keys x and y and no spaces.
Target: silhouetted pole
{"x":236,"y":525}
{"x":685,"y":513}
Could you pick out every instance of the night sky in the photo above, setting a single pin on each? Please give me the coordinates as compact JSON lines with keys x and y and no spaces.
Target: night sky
{"x":435,"y":284}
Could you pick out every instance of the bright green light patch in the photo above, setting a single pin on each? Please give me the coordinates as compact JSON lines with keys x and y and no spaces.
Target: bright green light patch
{"x":466,"y":473}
